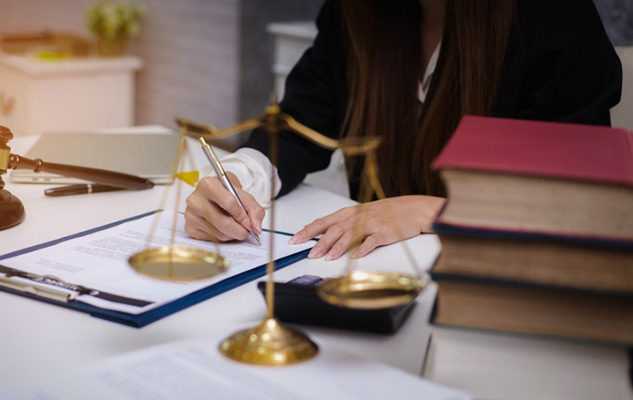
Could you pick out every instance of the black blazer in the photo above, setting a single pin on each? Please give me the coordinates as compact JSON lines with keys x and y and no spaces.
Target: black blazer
{"x":559,"y":66}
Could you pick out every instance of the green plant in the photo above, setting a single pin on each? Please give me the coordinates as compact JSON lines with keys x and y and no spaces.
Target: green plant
{"x":114,"y":19}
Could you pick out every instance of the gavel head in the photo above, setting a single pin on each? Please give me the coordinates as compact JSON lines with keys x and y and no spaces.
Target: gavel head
{"x":5,"y":151}
{"x":11,"y":208}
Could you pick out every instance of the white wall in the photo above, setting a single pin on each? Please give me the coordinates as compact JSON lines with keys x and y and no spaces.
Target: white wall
{"x":190,"y":49}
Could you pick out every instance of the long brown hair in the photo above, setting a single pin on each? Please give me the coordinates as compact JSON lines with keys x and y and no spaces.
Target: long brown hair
{"x":384,"y":69}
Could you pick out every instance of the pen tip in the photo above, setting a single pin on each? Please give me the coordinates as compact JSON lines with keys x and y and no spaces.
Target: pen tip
{"x":259,"y":243}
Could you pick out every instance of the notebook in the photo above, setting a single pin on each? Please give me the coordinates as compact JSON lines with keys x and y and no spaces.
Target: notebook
{"x":149,"y":155}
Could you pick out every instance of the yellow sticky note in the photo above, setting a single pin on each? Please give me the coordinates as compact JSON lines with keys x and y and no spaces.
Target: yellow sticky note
{"x":190,"y":177}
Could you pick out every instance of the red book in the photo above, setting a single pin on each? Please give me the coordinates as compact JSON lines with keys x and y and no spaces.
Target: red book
{"x":539,"y":177}
{"x":551,"y":149}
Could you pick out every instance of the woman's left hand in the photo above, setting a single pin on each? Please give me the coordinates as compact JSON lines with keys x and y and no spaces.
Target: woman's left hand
{"x":373,"y":222}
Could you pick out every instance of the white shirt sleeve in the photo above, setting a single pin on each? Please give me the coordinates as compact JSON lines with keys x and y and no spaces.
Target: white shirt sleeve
{"x":255,"y":172}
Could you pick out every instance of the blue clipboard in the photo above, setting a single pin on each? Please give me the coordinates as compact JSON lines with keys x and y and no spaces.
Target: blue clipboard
{"x":140,"y":320}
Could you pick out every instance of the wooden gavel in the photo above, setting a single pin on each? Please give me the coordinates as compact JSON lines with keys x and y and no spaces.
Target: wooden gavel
{"x":110,"y":178}
{"x":11,"y":208}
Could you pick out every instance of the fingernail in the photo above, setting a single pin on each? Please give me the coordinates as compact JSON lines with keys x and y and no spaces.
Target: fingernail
{"x":295,"y":239}
{"x":332,"y":255}
{"x":246,"y":223}
{"x":292,"y":241}
{"x":314,"y":254}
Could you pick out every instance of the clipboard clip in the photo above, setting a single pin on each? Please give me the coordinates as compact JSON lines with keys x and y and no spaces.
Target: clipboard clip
{"x":7,"y":280}
{"x":25,"y":287}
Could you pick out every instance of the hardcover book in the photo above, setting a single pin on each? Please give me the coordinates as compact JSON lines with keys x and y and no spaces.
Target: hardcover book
{"x":539,"y":177}
{"x":520,"y":307}
{"x":540,"y":259}
{"x":527,"y":367}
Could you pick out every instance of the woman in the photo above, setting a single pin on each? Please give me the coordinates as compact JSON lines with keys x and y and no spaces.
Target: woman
{"x":409,"y":70}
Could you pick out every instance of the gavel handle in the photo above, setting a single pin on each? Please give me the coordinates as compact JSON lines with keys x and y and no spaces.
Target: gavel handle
{"x":102,"y":176}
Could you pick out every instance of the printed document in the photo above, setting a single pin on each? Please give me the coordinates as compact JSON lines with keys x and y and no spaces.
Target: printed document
{"x":99,"y":261}
{"x":195,"y":370}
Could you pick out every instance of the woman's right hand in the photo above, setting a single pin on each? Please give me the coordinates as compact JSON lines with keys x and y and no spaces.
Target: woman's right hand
{"x":213,"y":213}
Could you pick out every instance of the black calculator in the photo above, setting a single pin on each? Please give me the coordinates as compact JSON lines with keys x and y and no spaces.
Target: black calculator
{"x":297,"y":301}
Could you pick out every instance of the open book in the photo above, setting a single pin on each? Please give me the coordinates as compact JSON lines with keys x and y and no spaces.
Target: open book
{"x":89,"y":271}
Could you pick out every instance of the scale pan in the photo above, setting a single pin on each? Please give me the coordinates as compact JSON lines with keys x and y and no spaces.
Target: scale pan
{"x":178,"y":263}
{"x":371,"y":290}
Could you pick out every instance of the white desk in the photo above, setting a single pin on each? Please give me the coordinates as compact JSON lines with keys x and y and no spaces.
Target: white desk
{"x":39,"y":339}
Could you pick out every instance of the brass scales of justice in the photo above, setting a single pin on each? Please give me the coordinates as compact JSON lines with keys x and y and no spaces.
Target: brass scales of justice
{"x":270,"y":342}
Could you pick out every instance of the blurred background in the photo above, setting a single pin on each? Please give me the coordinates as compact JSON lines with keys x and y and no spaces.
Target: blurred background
{"x":215,"y":61}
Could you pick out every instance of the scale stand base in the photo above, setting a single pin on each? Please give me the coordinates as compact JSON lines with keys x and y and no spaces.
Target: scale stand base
{"x":269,"y":343}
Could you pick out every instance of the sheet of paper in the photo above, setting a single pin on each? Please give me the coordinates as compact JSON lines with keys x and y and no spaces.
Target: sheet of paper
{"x":195,"y":370}
{"x":100,"y":260}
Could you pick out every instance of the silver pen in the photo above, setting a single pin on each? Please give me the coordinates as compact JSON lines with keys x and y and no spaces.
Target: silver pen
{"x":215,"y":163}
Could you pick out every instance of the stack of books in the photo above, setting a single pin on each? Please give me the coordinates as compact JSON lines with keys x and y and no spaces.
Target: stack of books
{"x":537,"y":232}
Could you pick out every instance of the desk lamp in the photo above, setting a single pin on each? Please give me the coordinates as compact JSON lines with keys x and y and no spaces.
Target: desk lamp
{"x":270,"y":343}
{"x":11,"y":208}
